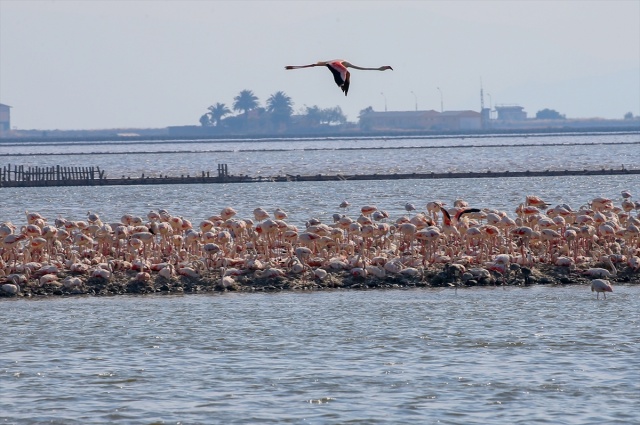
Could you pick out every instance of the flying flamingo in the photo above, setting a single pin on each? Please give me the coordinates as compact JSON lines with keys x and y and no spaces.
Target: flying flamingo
{"x":338,"y":68}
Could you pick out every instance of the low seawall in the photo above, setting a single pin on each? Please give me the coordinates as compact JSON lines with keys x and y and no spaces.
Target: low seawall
{"x":205,"y":178}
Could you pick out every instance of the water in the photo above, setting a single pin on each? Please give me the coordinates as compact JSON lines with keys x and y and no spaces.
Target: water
{"x":482,"y":355}
{"x":313,"y":156}
{"x":517,"y":355}
{"x":341,"y":156}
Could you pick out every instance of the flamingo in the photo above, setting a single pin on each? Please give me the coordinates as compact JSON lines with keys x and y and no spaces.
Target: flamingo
{"x":409,"y":207}
{"x":338,"y":68}
{"x":260,"y":214}
{"x":634,"y":263}
{"x":464,"y":211}
{"x":10,"y":288}
{"x":280,"y":214}
{"x":597,"y":272}
{"x":535,"y":201}
{"x":319,"y":274}
{"x":601,"y":285}
{"x":559,"y":236}
{"x":367,"y":210}
{"x":225,"y":280}
{"x":72,"y":282}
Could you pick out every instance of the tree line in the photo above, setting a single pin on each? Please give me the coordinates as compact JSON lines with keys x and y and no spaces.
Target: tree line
{"x":277,"y":114}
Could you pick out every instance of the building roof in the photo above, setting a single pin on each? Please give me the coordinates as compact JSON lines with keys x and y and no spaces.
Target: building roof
{"x":459,"y":113}
{"x":507,"y":107}
{"x":7,"y":106}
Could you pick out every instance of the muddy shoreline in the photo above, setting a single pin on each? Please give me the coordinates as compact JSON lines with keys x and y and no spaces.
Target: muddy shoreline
{"x":127,"y":283}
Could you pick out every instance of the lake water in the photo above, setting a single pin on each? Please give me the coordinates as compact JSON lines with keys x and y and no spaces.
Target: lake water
{"x":303,"y":200}
{"x":518,"y":355}
{"x":542,"y":354}
{"x":337,"y":156}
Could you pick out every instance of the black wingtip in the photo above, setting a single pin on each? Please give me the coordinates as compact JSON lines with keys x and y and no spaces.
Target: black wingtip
{"x":466,"y":211}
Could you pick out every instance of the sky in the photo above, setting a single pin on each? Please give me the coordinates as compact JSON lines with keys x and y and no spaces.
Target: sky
{"x":151,"y":64}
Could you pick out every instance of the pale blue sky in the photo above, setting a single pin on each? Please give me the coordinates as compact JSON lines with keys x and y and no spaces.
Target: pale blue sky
{"x":149,"y":64}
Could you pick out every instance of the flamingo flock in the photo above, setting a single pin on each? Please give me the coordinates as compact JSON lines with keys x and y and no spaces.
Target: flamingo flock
{"x":456,"y":245}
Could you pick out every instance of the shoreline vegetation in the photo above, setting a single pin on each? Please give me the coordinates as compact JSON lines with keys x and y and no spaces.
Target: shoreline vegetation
{"x":441,"y":247}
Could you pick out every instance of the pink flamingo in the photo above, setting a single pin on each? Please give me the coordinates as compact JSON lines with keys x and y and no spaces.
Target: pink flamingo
{"x":338,"y":68}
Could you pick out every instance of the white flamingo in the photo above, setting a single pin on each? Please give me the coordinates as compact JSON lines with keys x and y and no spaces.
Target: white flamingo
{"x":601,"y":285}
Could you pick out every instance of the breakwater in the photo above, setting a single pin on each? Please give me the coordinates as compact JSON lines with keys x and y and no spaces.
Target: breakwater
{"x":93,"y":176}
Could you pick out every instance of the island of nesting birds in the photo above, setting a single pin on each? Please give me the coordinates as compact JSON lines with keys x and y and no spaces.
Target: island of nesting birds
{"x":597,"y":245}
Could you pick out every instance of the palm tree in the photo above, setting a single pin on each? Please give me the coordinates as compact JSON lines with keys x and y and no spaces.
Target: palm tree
{"x":217,"y":111}
{"x":245,"y":101}
{"x":280,"y":107}
{"x":205,"y":120}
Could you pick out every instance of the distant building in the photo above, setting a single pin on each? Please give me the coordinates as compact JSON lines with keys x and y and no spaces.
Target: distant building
{"x":511,"y":113}
{"x":461,"y":120}
{"x":5,"y":119}
{"x":421,"y":120}
{"x":409,"y":120}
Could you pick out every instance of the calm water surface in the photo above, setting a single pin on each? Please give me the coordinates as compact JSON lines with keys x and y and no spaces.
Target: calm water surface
{"x":551,"y":355}
{"x":487,"y":355}
{"x":337,"y":156}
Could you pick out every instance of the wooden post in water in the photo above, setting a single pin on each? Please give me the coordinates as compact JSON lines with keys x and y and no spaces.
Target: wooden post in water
{"x":222,"y":171}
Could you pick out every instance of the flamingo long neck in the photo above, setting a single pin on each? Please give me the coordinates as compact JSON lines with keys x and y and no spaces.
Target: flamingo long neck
{"x":446,"y":218}
{"x":305,"y":66}
{"x":349,"y":65}
{"x":614,"y":270}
